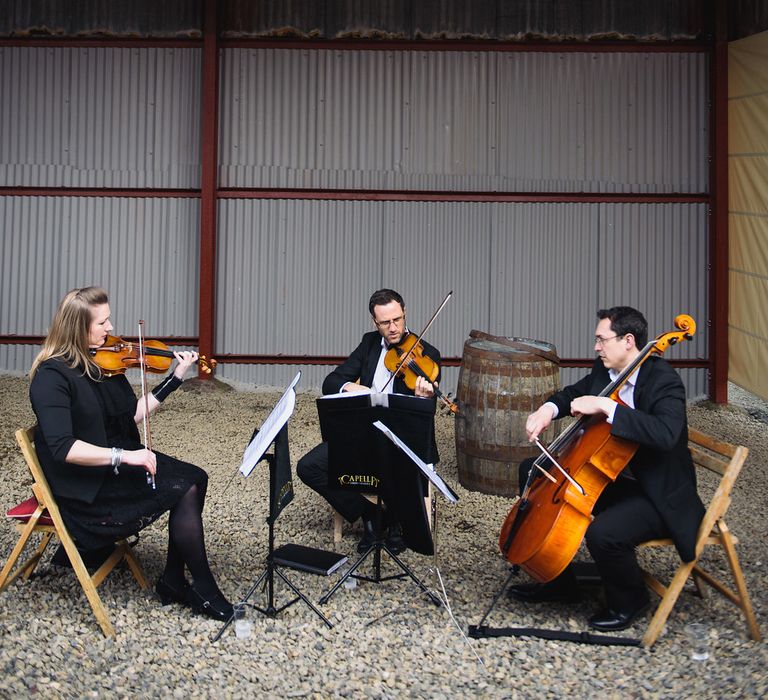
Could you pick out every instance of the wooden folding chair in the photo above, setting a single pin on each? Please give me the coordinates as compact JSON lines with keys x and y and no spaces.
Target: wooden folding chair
{"x":725,"y":460}
{"x":41,"y":514}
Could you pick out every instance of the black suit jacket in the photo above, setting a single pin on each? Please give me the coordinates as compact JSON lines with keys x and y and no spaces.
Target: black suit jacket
{"x":68,"y":409}
{"x":662,"y":465}
{"x":361,"y":364}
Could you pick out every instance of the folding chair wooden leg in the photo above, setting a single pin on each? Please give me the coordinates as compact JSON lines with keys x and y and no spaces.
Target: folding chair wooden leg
{"x":740,"y":598}
{"x":669,"y":595}
{"x":6,"y":578}
{"x":338,"y":521}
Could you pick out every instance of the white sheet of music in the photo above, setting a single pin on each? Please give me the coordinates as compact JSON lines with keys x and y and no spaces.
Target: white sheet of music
{"x":277,"y":418}
{"x":427,"y":469}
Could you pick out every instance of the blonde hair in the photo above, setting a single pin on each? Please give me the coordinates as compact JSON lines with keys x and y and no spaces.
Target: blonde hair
{"x":67,"y":337}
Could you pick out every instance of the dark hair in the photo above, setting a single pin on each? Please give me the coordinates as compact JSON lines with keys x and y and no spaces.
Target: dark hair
{"x":384,"y":296}
{"x":625,"y":319}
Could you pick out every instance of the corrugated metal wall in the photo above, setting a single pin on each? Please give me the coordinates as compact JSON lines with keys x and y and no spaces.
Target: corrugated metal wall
{"x":301,"y":273}
{"x":99,"y":117}
{"x":294,"y":276}
{"x":144,"y":251}
{"x":482,"y":121}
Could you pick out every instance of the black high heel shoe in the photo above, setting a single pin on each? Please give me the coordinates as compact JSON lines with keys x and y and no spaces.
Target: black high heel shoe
{"x":215,"y":606}
{"x":170,"y":595}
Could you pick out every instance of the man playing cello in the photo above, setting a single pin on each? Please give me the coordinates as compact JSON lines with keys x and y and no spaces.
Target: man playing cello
{"x":654,"y":496}
{"x":364,"y":370}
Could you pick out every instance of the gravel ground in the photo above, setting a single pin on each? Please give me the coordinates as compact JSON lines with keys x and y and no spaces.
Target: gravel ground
{"x":387,"y":640}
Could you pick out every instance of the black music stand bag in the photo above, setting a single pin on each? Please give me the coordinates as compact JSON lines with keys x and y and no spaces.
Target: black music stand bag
{"x":361,"y":458}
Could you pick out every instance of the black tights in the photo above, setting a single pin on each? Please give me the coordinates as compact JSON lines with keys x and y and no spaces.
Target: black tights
{"x":186,"y":544}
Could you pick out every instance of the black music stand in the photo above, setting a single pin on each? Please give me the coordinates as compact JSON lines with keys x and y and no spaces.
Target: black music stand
{"x":361,"y":458}
{"x":274,"y":431}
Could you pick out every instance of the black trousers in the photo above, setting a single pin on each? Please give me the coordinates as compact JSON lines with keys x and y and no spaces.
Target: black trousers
{"x":313,"y":471}
{"x":623,"y":518}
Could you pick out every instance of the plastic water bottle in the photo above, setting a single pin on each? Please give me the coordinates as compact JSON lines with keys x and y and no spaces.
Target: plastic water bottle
{"x":242,"y":623}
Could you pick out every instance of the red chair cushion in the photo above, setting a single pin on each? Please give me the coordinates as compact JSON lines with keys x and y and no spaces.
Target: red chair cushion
{"x":24,"y":511}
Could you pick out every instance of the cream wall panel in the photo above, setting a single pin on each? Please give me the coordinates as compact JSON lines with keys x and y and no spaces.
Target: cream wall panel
{"x":747,"y":125}
{"x":748,"y":237}
{"x":748,"y":209}
{"x":748,"y":66}
{"x":747,"y":178}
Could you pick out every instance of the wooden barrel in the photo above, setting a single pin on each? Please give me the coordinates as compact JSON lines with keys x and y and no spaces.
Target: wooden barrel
{"x":501,"y":381}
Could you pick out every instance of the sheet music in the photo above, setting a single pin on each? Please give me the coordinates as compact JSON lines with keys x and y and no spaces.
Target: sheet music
{"x":362,"y":391}
{"x":270,"y":428}
{"x":427,"y":469}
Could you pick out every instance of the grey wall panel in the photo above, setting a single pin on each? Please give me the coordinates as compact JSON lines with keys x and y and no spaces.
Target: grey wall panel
{"x":295,"y":277}
{"x":655,"y":258}
{"x":621,"y":122}
{"x":143,"y":251}
{"x":17,"y":359}
{"x":431,"y":249}
{"x":543,"y":270}
{"x":99,"y":117}
{"x":696,"y":381}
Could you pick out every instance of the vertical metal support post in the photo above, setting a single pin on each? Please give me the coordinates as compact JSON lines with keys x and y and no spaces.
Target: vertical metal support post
{"x":209,"y":136}
{"x":718,"y":234}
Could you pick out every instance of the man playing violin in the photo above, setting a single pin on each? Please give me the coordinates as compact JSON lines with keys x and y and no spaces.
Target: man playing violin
{"x":365,"y":371}
{"x":654,"y":496}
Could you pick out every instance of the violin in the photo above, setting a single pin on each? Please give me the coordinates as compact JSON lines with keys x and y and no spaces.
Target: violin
{"x":117,"y":355}
{"x":545,"y":527}
{"x":407,"y":359}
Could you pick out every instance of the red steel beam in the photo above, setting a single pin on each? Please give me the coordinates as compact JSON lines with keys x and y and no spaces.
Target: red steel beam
{"x":718,"y":178}
{"x":209,"y":128}
{"x":365,"y":195}
{"x":463,"y":196}
{"x":97,"y":192}
{"x":280,"y":359}
{"x":629,"y":46}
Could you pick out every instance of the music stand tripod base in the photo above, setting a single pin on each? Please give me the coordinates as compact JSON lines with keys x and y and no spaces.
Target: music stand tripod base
{"x":268,"y":576}
{"x":376,"y":549}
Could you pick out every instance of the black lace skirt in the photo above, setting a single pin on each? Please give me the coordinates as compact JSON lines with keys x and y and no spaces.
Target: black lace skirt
{"x":126,"y":503}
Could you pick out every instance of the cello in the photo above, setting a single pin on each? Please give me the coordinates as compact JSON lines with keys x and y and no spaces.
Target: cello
{"x":546,"y":525}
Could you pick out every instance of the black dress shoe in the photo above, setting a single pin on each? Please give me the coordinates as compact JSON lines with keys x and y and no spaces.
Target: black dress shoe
{"x":395,"y":542}
{"x":552,"y":592}
{"x":169,"y":595}
{"x":608,"y":620}
{"x":369,"y":536}
{"x":215,"y":606}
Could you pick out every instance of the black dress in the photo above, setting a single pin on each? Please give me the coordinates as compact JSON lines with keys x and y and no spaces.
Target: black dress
{"x":124,"y":503}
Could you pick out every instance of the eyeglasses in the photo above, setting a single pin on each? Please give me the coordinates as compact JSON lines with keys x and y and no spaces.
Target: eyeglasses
{"x":391,"y":322}
{"x":602,"y":341}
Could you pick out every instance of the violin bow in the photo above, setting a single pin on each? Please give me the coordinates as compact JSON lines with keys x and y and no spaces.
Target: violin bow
{"x":407,"y":355}
{"x":143,"y":367}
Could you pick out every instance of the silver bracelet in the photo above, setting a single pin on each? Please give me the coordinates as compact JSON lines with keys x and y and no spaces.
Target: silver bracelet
{"x":117,"y":459}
